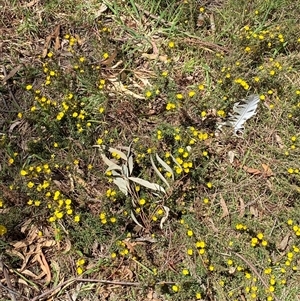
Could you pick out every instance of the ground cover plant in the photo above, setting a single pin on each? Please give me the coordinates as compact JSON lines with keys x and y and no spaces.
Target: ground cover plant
{"x":149,"y":150}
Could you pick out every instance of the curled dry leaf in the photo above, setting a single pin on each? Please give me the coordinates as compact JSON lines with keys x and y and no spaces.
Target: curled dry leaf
{"x":279,"y":141}
{"x":283,"y":244}
{"x":242,"y":208}
{"x":267,"y":172}
{"x":253,"y":171}
{"x":224,"y":207}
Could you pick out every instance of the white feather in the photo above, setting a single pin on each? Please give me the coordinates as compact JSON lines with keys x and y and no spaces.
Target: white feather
{"x":243,"y":110}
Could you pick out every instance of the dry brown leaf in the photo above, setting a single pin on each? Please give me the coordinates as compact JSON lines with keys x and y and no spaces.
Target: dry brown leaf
{"x":224,"y":207}
{"x":267,"y":172}
{"x":12,"y":73}
{"x":163,"y":58}
{"x":80,"y":41}
{"x":215,"y":229}
{"x":110,"y":59}
{"x":279,"y":141}
{"x":48,"y":243}
{"x":154,"y":55}
{"x":45,"y":267}
{"x":253,"y":171}
{"x":119,"y":87}
{"x":150,"y":295}
{"x":31,"y":3}
{"x":231,"y":155}
{"x":54,"y":35}
{"x":254,"y":211}
{"x":30,"y":274}
{"x":242,"y":208}
{"x":283,"y":244}
{"x":19,"y":245}
{"x":101,"y":10}
{"x":150,"y":56}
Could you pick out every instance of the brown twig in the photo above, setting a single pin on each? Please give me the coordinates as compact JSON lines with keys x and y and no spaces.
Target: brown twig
{"x":252,"y":267}
{"x":68,"y":282}
{"x":13,"y":292}
{"x":9,"y":287}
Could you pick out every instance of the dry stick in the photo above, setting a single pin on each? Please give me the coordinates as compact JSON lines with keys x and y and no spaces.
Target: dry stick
{"x":7,"y":278}
{"x":13,"y":292}
{"x":67,"y":282}
{"x":9,"y":90}
{"x":251,"y":266}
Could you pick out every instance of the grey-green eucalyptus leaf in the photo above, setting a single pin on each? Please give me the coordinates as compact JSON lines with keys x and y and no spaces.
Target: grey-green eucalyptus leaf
{"x":165,"y":217}
{"x":120,"y":153}
{"x":135,"y":220}
{"x":165,"y":165}
{"x":111,"y":165}
{"x":158,"y":172}
{"x":122,"y":184}
{"x":147,"y":184}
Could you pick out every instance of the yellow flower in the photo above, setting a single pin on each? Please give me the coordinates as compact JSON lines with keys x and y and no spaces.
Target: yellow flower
{"x":192,"y":93}
{"x":142,"y":202}
{"x":190,"y":233}
{"x":260,"y":236}
{"x":148,"y":94}
{"x":171,"y":44}
{"x":3,"y":230}
{"x":28,"y":87}
{"x":30,"y":184}
{"x":23,"y":172}
{"x":190,"y":252}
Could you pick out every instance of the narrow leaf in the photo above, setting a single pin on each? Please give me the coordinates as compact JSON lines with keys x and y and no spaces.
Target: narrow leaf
{"x":120,"y":153}
{"x":135,"y":220}
{"x":110,"y":163}
{"x":147,"y":184}
{"x":158,"y":172}
{"x":115,"y":173}
{"x":165,"y":217}
{"x":125,"y":170}
{"x":175,"y":161}
{"x":122,"y":185}
{"x":224,"y":207}
{"x":165,"y":165}
{"x":130,"y":164}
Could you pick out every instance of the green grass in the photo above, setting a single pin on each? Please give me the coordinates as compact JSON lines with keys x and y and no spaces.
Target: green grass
{"x":144,"y":74}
